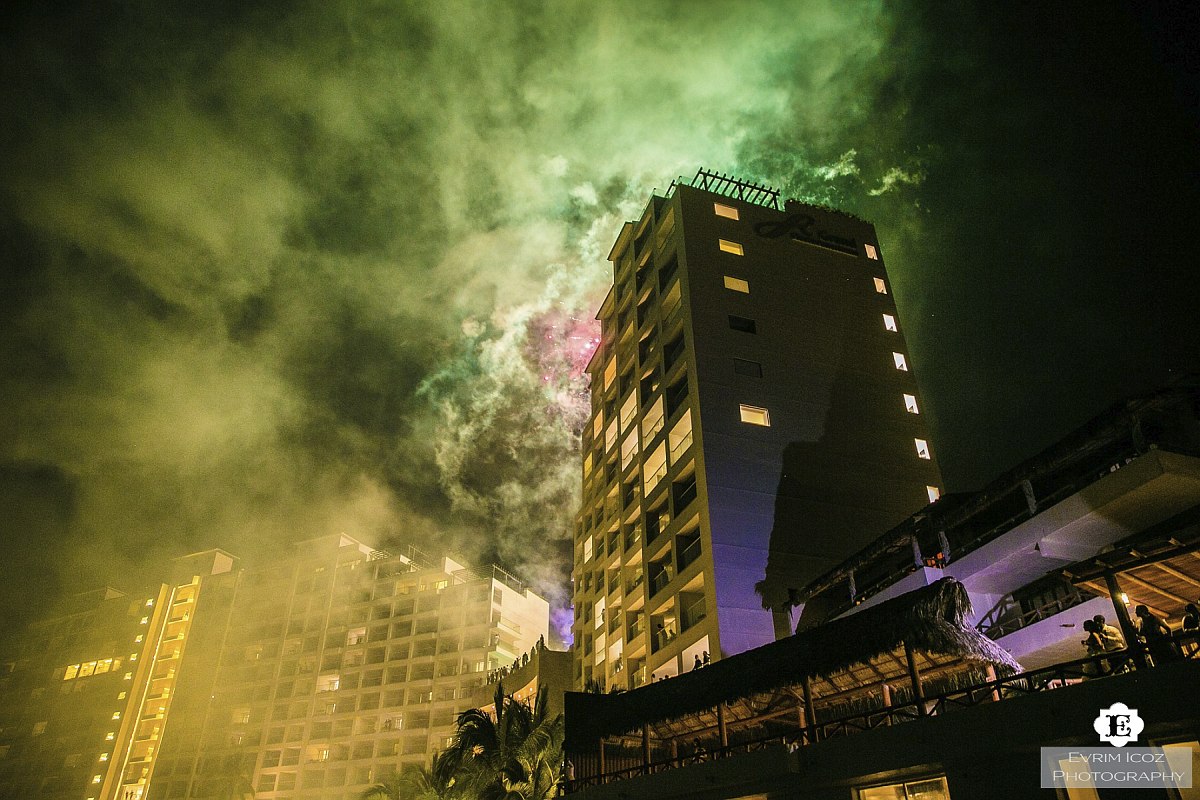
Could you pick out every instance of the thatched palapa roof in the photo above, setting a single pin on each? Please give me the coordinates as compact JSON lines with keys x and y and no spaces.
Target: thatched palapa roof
{"x":857,"y":651}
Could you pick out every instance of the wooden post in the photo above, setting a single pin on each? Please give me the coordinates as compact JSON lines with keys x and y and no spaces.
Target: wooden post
{"x":674,"y":752}
{"x":914,"y":675}
{"x":887,"y":703}
{"x":991,"y":676}
{"x":1132,"y":638}
{"x":646,"y":748}
{"x":602,"y":767}
{"x":721,"y":725}
{"x":810,"y":713}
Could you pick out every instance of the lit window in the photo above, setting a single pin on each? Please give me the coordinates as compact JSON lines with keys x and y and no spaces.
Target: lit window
{"x":910,"y":404}
{"x":871,"y":251}
{"x":722,"y":210}
{"x":137,"y":638}
{"x":928,"y":789}
{"x":86,"y":669}
{"x":116,"y":715}
{"x":108,"y":737}
{"x":97,"y":778}
{"x":933,"y":492}
{"x":587,"y":549}
{"x":922,"y":448}
{"x":610,"y":372}
{"x":628,"y":412}
{"x":889,"y":322}
{"x":901,"y":364}
{"x":104,"y":756}
{"x":880,"y":286}
{"x":71,"y":672}
{"x":150,"y":602}
{"x":122,"y":695}
{"x":144,"y":620}
{"x":754,"y":415}
{"x":737,"y":285}
{"x":730,"y":247}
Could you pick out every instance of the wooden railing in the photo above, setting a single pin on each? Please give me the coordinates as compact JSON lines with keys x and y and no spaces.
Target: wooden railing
{"x":1186,"y":647}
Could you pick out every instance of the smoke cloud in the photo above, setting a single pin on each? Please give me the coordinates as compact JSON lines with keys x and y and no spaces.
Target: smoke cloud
{"x":273,"y":272}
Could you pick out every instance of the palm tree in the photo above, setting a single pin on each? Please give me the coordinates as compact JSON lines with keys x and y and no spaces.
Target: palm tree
{"x":515,"y":754}
{"x":414,"y":782}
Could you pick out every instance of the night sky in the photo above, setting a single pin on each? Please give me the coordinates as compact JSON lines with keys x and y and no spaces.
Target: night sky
{"x":276,"y":270}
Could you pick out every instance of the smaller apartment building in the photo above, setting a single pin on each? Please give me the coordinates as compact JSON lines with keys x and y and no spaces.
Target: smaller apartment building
{"x":310,"y":674}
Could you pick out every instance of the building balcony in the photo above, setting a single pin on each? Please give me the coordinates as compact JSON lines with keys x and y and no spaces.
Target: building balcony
{"x":693,"y":614}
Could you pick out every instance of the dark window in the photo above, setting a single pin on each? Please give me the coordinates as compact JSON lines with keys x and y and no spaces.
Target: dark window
{"x":666,"y":273}
{"x":743,"y":367}
{"x":742,"y":324}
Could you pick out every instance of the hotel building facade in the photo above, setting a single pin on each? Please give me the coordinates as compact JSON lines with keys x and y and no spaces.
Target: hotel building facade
{"x":755,"y":419}
{"x":308,"y":675}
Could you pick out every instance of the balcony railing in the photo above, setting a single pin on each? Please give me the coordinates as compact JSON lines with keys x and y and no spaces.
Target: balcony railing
{"x":689,"y":554}
{"x":990,"y":691}
{"x":1010,"y":615}
{"x":681,"y":447}
{"x":654,"y":428}
{"x":692,"y":614}
{"x":654,"y":477}
{"x":633,"y":537}
{"x":660,"y":580}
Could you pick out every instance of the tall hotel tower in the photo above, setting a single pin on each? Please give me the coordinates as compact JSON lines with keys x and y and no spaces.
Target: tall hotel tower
{"x":755,"y":420}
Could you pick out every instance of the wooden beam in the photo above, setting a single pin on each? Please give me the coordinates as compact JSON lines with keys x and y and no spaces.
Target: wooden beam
{"x":1147,"y":585}
{"x":721,"y":725}
{"x":1176,"y":573}
{"x":646,"y":747}
{"x":810,"y":713}
{"x":914,"y":675}
{"x":602,"y":767}
{"x":991,"y":676}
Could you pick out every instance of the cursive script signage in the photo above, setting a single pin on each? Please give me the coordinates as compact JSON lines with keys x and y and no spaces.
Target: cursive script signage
{"x":803,"y":228}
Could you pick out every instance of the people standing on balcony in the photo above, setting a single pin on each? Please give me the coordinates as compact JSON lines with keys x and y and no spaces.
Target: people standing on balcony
{"x":1157,"y":636}
{"x":697,"y":664}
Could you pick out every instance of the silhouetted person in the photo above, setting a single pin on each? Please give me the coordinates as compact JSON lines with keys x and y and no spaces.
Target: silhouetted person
{"x":698,"y":752}
{"x":697,"y":664}
{"x":1093,"y":643}
{"x":706,"y":658}
{"x":1191,"y":617}
{"x":1191,"y":624}
{"x":1157,"y":636}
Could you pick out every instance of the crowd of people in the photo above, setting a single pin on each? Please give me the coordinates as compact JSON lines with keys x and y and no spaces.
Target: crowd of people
{"x":1152,"y":632}
{"x":522,"y":660}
